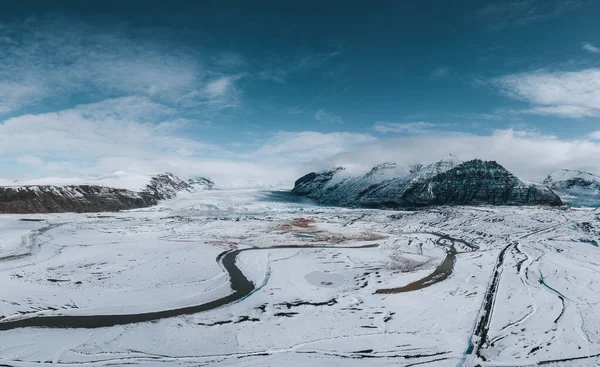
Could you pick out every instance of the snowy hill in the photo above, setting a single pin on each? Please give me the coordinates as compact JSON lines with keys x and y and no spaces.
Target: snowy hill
{"x":575,"y":187}
{"x":97,"y":198}
{"x":447,"y":182}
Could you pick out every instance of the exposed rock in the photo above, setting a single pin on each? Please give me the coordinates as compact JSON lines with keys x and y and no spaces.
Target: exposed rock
{"x":477,"y":183}
{"x":93,"y":198}
{"x":575,"y":187}
{"x":202,"y":183}
{"x":447,"y":182}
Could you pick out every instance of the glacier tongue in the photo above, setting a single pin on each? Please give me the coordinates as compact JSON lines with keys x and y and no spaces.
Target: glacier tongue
{"x":575,"y":188}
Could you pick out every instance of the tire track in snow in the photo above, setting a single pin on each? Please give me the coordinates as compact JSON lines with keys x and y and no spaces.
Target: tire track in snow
{"x":479,"y":339}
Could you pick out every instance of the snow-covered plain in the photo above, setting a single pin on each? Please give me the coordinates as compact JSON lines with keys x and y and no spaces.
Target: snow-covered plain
{"x":524,"y":288}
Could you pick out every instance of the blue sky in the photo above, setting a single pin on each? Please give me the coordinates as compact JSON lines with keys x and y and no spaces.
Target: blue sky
{"x":252,"y":89}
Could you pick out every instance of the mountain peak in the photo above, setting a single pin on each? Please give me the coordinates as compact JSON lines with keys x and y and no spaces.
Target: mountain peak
{"x":575,"y":187}
{"x":83,"y":196}
{"x":384,"y":166}
{"x":446,"y":182}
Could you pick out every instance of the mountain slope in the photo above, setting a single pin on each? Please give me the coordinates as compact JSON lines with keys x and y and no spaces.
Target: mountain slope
{"x":94,"y":198}
{"x":448,"y":182}
{"x":575,"y":187}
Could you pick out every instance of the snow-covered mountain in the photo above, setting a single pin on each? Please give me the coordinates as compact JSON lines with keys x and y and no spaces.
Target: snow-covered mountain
{"x":447,"y":182}
{"x":575,"y":187}
{"x":96,"y":198}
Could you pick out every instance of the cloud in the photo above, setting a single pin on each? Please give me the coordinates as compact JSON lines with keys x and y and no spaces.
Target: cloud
{"x":219,"y":87}
{"x":282,"y":158}
{"x":302,"y":61}
{"x":408,"y":128}
{"x":15,"y":95}
{"x":229,"y":61}
{"x":294,"y":110}
{"x":496,"y":115}
{"x":70,"y":141}
{"x":566,"y":111}
{"x":309,"y":61}
{"x":590,"y":48}
{"x":225,"y":172}
{"x":49,"y":57}
{"x":29,"y":160}
{"x":515,"y":13}
{"x":277,"y":75}
{"x":595,"y":135}
{"x":571,"y":94}
{"x":530,"y":155}
{"x":440,"y":72}
{"x":217,"y":94}
{"x":130,"y":126}
{"x":328,"y":117}
{"x":55,"y":58}
{"x":307,"y":146}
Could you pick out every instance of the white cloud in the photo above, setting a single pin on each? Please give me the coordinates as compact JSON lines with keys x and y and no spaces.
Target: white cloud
{"x":530,"y":155}
{"x":440,"y":72}
{"x":595,"y":135}
{"x":284,"y":157}
{"x":133,"y":126}
{"x":303,"y":60}
{"x":218,"y":94}
{"x":328,"y":117}
{"x":567,"y":111}
{"x":308,"y":146}
{"x":49,"y":58}
{"x":496,"y":115}
{"x":219,"y":87}
{"x":29,"y":160}
{"x":513,"y":13}
{"x":419,"y":127}
{"x":14,"y":95}
{"x":590,"y":48}
{"x":574,"y":94}
{"x":294,"y":110}
{"x":277,"y":75}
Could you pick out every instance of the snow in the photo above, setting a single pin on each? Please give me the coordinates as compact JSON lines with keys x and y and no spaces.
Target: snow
{"x":118,"y":179}
{"x":133,"y":181}
{"x":312,"y":306}
{"x":576,"y":188}
{"x":568,"y":174}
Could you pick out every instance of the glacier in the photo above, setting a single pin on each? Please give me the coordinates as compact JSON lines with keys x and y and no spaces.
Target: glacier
{"x":522,"y":290}
{"x":575,"y":188}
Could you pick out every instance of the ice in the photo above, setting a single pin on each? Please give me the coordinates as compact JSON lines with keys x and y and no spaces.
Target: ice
{"x":315,"y":273}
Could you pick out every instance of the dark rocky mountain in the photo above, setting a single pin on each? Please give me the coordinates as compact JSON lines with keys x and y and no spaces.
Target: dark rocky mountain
{"x":201,"y":183}
{"x":575,"y":188}
{"x":94,"y":198}
{"x":447,"y":182}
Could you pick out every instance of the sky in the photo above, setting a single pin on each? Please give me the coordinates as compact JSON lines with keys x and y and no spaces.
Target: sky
{"x":266,"y":91}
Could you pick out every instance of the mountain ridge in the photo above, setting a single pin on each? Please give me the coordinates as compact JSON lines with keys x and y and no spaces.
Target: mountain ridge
{"x":575,"y":187}
{"x":446,"y":182}
{"x":95,"y":198}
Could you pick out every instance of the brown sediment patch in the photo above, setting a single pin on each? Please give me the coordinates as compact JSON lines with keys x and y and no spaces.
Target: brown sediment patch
{"x":304,"y":223}
{"x":304,"y":228}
